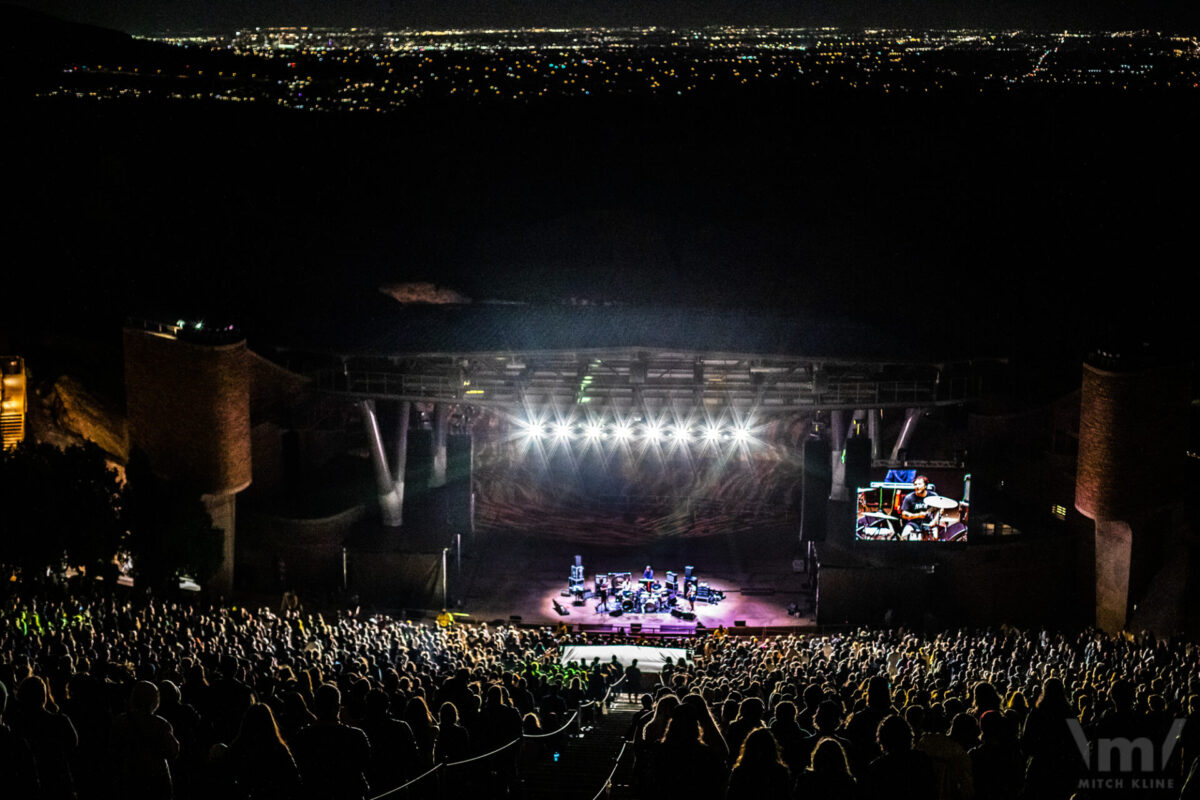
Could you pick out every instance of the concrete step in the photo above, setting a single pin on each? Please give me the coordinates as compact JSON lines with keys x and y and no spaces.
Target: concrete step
{"x":584,"y":762}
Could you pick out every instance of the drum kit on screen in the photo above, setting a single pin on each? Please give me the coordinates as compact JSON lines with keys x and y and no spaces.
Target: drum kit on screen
{"x":884,"y":526}
{"x":618,"y":593}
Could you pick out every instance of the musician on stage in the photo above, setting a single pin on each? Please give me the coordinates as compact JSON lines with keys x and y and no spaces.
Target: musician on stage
{"x":648,"y":574}
{"x":602,"y":596}
{"x":917,"y":514}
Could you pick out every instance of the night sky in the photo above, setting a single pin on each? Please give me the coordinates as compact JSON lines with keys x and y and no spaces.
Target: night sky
{"x":149,"y":16}
{"x":1038,"y":214}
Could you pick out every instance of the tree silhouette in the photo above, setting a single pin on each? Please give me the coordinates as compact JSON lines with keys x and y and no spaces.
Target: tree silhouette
{"x":60,"y":508}
{"x":170,"y":531}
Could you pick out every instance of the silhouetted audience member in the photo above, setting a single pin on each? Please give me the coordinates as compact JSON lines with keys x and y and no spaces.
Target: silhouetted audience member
{"x":997,"y":767}
{"x":1054,"y":761}
{"x":759,"y":771}
{"x":900,"y":772}
{"x":394,"y":756}
{"x":633,"y":680}
{"x":710,"y":731}
{"x":143,"y":746}
{"x":229,"y":697}
{"x":950,"y":759}
{"x":17,"y":767}
{"x":750,"y":716}
{"x":333,"y":758}
{"x":500,"y":724}
{"x":454,"y":743}
{"x":293,"y":715}
{"x":640,"y":717}
{"x":827,"y":724}
{"x":262,"y":763}
{"x":864,"y":722}
{"x":424,"y":728}
{"x":50,"y":736}
{"x":791,"y":737}
{"x":684,"y":762}
{"x":828,"y":775}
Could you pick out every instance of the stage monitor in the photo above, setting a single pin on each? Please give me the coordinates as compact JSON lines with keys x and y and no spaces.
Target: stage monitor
{"x":914,"y":505}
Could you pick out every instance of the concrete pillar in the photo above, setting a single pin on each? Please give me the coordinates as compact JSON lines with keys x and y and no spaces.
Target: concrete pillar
{"x":402,"y":451}
{"x":1114,"y":552}
{"x":441,"y":421}
{"x":855,"y":419}
{"x":389,"y":502}
{"x":837,"y":461}
{"x":837,"y":430}
{"x":911,"y":418}
{"x":873,"y":431}
{"x":222,"y":509}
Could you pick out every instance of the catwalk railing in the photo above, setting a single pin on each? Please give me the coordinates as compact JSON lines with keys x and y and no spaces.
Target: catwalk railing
{"x":509,"y":392}
{"x":440,"y":772}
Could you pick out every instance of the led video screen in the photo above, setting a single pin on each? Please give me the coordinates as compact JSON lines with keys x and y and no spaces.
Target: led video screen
{"x":914,"y":505}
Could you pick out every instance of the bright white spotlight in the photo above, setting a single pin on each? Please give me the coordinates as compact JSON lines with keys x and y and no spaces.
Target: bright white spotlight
{"x":741,"y":434}
{"x":529,"y":430}
{"x":561,"y":430}
{"x":712,"y":434}
{"x":654,"y":432}
{"x":593,"y":431}
{"x":623,"y":432}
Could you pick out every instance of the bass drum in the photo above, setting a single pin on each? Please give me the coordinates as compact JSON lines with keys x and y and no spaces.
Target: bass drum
{"x":651,"y":606}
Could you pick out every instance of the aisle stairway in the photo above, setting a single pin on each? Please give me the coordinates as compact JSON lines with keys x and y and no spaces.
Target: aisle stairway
{"x":585,"y":762}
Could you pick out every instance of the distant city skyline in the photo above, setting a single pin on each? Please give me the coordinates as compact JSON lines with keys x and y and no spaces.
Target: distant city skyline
{"x":156,"y":16}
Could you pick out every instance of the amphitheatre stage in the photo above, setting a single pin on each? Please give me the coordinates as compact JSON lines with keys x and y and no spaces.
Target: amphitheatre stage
{"x":626,"y":436}
{"x":739,"y":445}
{"x":515,"y":574}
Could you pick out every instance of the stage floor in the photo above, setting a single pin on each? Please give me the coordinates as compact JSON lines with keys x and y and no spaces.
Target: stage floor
{"x":507,"y":573}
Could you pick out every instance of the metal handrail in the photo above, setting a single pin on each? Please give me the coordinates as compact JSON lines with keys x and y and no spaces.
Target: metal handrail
{"x":573,"y":719}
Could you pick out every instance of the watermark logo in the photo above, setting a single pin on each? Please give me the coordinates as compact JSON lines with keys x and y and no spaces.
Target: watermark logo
{"x":1123,"y":763}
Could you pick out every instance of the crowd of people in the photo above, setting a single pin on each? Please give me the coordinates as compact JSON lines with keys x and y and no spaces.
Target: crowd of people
{"x":990,"y":714}
{"x":105,"y":697}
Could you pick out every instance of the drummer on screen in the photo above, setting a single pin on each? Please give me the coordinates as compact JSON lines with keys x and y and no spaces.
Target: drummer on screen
{"x":919,"y":516}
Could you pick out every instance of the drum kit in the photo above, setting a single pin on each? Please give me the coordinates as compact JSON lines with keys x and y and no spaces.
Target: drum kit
{"x":880,"y":526}
{"x":646,"y":596}
{"x":939,"y":523}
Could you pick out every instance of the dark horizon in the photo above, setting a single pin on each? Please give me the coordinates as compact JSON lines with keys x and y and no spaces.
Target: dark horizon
{"x":143,"y":17}
{"x":962,"y":212}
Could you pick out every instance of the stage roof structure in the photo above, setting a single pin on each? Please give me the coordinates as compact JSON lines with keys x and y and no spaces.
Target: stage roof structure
{"x":625,"y":358}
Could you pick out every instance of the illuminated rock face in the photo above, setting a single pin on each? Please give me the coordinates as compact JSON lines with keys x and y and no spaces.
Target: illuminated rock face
{"x":1131,"y":427}
{"x":188,"y":407}
{"x":424,"y":293}
{"x":1131,"y":433}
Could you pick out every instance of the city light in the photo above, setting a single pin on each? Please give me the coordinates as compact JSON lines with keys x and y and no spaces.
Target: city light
{"x":378,"y":70}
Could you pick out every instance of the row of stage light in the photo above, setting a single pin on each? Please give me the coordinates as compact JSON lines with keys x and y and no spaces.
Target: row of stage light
{"x":645,"y":433}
